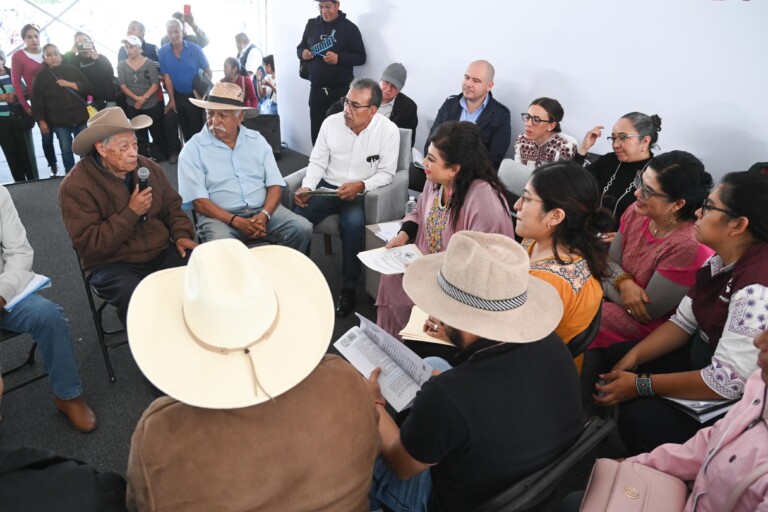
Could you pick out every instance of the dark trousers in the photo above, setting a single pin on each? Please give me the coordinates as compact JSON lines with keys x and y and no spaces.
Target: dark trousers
{"x":351,"y":228}
{"x":19,"y":151}
{"x":190,"y":117}
{"x":647,"y":423}
{"x":320,"y":100}
{"x":48,"y":151}
{"x":157,"y":129}
{"x":115,"y":282}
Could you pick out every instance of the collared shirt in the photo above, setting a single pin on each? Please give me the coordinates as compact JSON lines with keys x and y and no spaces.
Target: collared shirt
{"x":474,"y":116}
{"x":182,"y":69}
{"x":232,"y":178}
{"x":340,"y":156}
{"x":386,"y":108}
{"x":16,"y":254}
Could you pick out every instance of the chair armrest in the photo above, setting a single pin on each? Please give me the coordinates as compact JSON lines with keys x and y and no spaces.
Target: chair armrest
{"x":292,"y":184}
{"x":387,"y":203}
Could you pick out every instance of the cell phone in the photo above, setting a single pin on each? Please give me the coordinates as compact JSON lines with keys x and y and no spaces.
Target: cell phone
{"x":187,"y":10}
{"x":85,"y":45}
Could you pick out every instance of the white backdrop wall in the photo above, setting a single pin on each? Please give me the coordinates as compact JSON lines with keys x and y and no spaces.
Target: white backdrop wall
{"x":699,"y":64}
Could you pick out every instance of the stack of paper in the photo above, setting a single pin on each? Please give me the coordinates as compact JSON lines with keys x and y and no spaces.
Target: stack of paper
{"x":388,"y":230}
{"x":37,"y":283}
{"x":414,"y":330}
{"x":390,"y":261}
{"x":702,"y":410}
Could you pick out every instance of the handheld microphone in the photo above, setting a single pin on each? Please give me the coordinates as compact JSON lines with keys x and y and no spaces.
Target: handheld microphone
{"x":143,"y":174}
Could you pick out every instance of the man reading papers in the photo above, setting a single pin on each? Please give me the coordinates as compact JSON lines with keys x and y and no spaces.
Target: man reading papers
{"x":508,"y":408}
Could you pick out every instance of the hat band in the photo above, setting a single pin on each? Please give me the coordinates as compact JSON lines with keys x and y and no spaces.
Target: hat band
{"x":226,"y":101}
{"x":480,"y":303}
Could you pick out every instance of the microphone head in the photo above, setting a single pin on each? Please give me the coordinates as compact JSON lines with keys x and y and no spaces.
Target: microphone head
{"x":143,"y":173}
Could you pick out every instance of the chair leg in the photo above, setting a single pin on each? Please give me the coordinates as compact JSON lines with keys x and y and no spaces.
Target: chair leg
{"x":328,"y":244}
{"x":103,"y":342}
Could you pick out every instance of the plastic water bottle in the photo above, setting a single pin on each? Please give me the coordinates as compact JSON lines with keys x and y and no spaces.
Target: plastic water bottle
{"x":410,"y":206}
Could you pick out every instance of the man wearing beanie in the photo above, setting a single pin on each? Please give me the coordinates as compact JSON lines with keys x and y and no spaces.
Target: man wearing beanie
{"x":399,"y":108}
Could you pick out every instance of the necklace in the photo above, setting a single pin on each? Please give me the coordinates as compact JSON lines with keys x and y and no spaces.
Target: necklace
{"x":627,"y":191}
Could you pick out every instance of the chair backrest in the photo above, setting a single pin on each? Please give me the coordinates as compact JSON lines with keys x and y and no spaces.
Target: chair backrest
{"x":569,"y":138}
{"x":537,"y":487}
{"x":514,"y":175}
{"x":404,"y":157}
{"x":581,"y":341}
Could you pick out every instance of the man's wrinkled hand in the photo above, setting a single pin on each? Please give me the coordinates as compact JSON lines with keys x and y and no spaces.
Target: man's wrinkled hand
{"x":349,"y":191}
{"x":299,"y":199}
{"x":140,"y":202}
{"x":184,"y":244}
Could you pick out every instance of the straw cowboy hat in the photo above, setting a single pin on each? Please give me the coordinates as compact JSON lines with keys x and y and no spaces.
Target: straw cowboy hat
{"x":225,"y":96}
{"x":234,"y":328}
{"x":106,"y":123}
{"x":481,"y":285}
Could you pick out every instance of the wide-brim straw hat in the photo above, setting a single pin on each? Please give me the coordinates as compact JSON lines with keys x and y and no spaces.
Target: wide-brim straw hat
{"x":481,"y":285}
{"x":106,"y":123}
{"x":234,"y":328}
{"x":225,"y":96}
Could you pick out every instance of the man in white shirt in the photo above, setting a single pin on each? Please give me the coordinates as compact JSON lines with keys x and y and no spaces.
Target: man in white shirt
{"x":356,"y":151}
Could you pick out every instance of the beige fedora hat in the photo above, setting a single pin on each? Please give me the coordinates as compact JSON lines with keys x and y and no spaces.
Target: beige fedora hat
{"x":481,"y":285}
{"x":225,"y":96}
{"x":234,"y":328}
{"x":106,"y":123}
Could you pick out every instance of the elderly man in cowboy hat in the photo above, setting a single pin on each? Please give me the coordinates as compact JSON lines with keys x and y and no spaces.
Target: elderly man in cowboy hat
{"x":511,"y":404}
{"x":229,"y":175}
{"x":257,"y":417}
{"x":121,"y":230}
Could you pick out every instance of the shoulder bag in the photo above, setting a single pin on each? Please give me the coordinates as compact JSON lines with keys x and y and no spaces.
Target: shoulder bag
{"x":304,"y":64}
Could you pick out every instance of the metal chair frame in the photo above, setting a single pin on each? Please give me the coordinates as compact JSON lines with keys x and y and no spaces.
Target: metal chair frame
{"x":28,"y":362}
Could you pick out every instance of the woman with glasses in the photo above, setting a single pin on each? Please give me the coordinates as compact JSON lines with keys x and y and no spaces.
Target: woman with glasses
{"x":559,"y":217}
{"x":542,"y":141}
{"x":139,"y":80}
{"x":58,"y":101}
{"x":462,"y":192}
{"x":655,"y":255}
{"x":25,"y":64}
{"x":704,"y":351}
{"x":632,"y":138}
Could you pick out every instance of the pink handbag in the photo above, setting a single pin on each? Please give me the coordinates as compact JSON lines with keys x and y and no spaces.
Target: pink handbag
{"x":632,"y":487}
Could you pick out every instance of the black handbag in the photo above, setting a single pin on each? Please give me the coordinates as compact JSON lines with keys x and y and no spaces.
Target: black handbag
{"x":304,"y":64}
{"x":20,"y":120}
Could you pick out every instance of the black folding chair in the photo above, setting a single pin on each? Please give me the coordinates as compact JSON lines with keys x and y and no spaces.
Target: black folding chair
{"x":29,"y":362}
{"x":581,"y":341}
{"x":98,"y":319}
{"x":532,"y":491}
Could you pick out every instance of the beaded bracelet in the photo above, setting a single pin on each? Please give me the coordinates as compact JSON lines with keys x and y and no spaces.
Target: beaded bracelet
{"x":231,"y":221}
{"x":643,"y":385}
{"x":621,"y":278}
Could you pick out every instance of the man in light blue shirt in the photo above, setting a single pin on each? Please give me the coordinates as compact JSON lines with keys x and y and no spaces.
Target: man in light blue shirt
{"x":228,"y":174}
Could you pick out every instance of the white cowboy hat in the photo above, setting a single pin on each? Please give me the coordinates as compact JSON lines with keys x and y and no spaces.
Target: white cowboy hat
{"x":106,"y":123}
{"x":234,"y":328}
{"x":225,"y":96}
{"x":481,"y":285}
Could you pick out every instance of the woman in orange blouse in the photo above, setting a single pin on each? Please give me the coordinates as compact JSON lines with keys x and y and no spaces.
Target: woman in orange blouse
{"x":560,"y":220}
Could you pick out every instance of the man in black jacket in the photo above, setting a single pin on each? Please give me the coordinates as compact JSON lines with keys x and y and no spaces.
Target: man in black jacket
{"x":399,"y":108}
{"x":333,"y":46}
{"x":477,"y":105}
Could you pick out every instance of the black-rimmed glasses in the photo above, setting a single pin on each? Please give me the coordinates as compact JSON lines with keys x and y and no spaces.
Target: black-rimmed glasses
{"x":536,"y":120}
{"x":646,"y":192}
{"x":354,"y":105}
{"x":708,"y":205}
{"x":622,"y":137}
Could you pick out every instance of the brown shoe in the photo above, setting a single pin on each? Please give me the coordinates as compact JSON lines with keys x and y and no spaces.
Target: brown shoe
{"x":80,"y":415}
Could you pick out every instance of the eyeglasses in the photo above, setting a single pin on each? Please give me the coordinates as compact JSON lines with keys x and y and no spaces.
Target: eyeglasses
{"x":708,"y":205}
{"x":526,"y":197}
{"x":646,"y":192}
{"x":622,"y":137}
{"x":536,"y":120}
{"x":354,"y":105}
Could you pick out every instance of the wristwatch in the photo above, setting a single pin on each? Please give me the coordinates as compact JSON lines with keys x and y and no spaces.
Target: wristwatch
{"x":265,"y":212}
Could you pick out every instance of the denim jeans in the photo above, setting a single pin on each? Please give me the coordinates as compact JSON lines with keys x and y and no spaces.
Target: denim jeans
{"x":351,"y":228}
{"x":284,"y":228}
{"x":410,"y":495}
{"x":48,"y":151}
{"x":66,"y":135}
{"x":46,"y":323}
